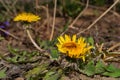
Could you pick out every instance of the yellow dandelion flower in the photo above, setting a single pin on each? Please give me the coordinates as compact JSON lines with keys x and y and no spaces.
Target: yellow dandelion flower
{"x":26,"y":17}
{"x":72,"y":47}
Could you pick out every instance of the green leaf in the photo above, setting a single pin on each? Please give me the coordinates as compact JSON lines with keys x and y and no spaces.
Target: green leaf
{"x":112,"y":74}
{"x":112,"y":71}
{"x":90,"y":69}
{"x":42,"y":44}
{"x":22,"y":59}
{"x":48,"y":75}
{"x":13,"y":51}
{"x":100,"y":67}
{"x":2,"y":73}
{"x":90,"y":40}
{"x":13,"y":59}
{"x":72,"y":8}
{"x":37,"y":70}
{"x":111,"y":68}
{"x":53,"y":75}
{"x":54,"y":54}
{"x":21,"y":56}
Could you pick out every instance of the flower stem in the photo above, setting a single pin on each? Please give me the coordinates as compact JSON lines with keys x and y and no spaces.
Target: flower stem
{"x":31,"y":39}
{"x":53,"y":25}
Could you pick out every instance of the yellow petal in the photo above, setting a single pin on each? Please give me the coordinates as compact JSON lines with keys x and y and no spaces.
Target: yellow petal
{"x":81,"y":40}
{"x":74,"y":38}
{"x":62,"y":39}
{"x":67,"y":38}
{"x":27,"y":17}
{"x":62,"y":50}
{"x":58,"y":45}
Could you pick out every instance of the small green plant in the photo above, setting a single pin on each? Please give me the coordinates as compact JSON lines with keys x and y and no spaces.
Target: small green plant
{"x":53,"y":74}
{"x":24,"y":56}
{"x":70,"y":7}
{"x":37,"y":72}
{"x":2,"y":73}
{"x":50,"y":47}
{"x":93,"y":64}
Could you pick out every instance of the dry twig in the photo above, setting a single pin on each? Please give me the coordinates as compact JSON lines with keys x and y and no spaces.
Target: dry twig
{"x":99,"y":17}
{"x":53,"y":26}
{"x":113,"y":47}
{"x":31,"y":39}
{"x":9,"y":33}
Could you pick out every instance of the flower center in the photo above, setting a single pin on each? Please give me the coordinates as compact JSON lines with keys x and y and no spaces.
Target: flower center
{"x":69,"y":45}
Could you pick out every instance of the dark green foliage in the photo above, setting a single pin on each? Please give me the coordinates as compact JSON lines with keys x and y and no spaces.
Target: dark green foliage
{"x":99,"y":68}
{"x":53,"y":75}
{"x":70,"y":7}
{"x":54,"y":54}
{"x":2,"y":73}
{"x":37,"y":72}
{"x":90,"y":40}
{"x":98,"y":2}
{"x":112,"y":71}
{"x":50,"y":46}
{"x":18,"y":56}
{"x":89,"y":69}
{"x":44,"y":72}
{"x":46,"y":44}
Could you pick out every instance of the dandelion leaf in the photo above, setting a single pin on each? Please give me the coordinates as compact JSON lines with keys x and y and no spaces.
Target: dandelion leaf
{"x":36,"y":71}
{"x":89,"y":69}
{"x":112,"y":71}
{"x":54,"y":54}
{"x":53,"y":75}
{"x":99,"y":68}
{"x":2,"y":73}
